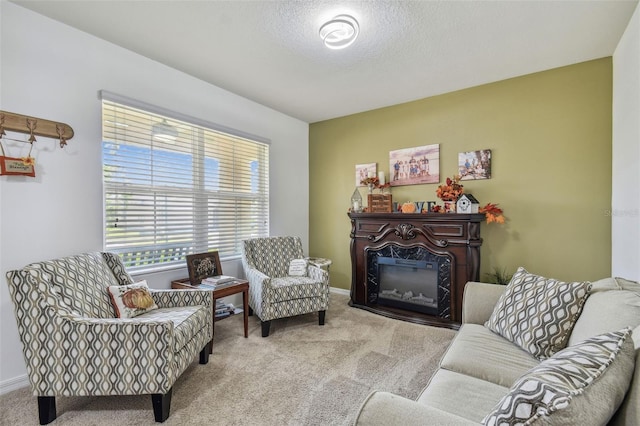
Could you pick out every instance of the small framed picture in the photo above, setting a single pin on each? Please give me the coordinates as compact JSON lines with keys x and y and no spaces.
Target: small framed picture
{"x":203,"y":265}
{"x":475,"y":165}
{"x":364,"y":171}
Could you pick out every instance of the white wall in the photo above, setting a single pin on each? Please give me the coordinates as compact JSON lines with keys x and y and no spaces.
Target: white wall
{"x":52,"y":71}
{"x":625,"y":212}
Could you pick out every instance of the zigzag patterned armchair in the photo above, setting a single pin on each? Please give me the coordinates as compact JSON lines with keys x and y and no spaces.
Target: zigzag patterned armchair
{"x":74,"y":345}
{"x":273,"y":293}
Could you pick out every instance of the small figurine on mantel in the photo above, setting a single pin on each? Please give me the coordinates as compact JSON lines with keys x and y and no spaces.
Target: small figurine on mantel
{"x":467,"y":203}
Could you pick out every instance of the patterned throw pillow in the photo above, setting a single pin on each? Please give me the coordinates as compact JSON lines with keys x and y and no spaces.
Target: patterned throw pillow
{"x":298,"y":268}
{"x":131,"y":300}
{"x":582,"y":384}
{"x":538,"y":313}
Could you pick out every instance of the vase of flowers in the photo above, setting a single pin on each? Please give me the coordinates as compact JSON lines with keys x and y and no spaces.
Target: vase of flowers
{"x":371,"y":182}
{"x":449,"y":193}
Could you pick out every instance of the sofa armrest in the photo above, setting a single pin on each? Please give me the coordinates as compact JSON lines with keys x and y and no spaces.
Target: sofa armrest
{"x":478,"y":301}
{"x":384,"y":408}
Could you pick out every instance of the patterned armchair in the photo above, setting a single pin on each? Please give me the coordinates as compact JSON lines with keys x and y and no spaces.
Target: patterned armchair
{"x":73,"y":344}
{"x":273,"y":293}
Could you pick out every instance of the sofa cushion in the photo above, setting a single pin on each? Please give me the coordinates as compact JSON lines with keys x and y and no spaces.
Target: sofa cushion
{"x":582,"y":384}
{"x":629,"y":411}
{"x":478,"y":352}
{"x":614,"y":303}
{"x":447,"y":388}
{"x":538,"y":313}
{"x":131,"y":300}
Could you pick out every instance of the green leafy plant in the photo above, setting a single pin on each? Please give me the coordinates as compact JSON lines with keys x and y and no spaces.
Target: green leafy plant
{"x":498,"y":276}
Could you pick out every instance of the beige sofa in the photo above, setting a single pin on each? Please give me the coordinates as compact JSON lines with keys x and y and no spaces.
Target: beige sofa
{"x":480,"y":367}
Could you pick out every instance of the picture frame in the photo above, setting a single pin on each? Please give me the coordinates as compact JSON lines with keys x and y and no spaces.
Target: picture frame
{"x":203,"y":265}
{"x":474,"y":165}
{"x":364,"y":170}
{"x":414,"y":166}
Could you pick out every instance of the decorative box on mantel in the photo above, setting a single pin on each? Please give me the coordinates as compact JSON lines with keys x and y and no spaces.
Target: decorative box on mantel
{"x":414,"y":266}
{"x":380,"y":203}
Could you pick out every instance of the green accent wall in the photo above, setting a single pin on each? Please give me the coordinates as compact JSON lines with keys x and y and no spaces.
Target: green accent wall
{"x":550,"y":138}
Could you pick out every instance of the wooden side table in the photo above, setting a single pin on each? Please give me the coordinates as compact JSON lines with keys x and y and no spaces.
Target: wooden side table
{"x":223,"y":290}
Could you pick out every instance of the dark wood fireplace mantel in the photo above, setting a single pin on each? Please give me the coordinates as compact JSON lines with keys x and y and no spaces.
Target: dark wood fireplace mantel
{"x":454,"y":237}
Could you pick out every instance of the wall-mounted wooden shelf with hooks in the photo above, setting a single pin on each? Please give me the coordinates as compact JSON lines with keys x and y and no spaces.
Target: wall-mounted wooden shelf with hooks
{"x":35,"y":127}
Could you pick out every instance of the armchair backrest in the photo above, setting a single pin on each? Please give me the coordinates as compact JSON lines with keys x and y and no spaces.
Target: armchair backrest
{"x":80,"y":282}
{"x":271,"y":255}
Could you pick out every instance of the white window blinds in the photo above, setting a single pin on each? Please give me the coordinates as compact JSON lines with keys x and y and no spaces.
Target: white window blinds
{"x":173,"y":188}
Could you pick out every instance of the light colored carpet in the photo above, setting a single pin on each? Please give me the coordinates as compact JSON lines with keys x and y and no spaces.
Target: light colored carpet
{"x":302,"y":374}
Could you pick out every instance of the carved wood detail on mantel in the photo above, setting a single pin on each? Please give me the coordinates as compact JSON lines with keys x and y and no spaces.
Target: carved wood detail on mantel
{"x":454,"y":235}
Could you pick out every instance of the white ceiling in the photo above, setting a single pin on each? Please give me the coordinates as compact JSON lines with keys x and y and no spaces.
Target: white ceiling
{"x":270,"y":51}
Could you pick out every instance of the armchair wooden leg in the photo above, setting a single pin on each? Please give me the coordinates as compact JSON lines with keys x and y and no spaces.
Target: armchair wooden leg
{"x":46,"y":409}
{"x":321,"y":317}
{"x":265,"y":328}
{"x":161,"y":405}
{"x":204,"y":353}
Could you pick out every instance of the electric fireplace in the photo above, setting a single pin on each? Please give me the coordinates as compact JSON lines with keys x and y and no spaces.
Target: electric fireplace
{"x":414,"y":266}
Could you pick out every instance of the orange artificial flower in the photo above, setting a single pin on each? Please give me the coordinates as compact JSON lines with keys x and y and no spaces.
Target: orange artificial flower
{"x":28,"y":161}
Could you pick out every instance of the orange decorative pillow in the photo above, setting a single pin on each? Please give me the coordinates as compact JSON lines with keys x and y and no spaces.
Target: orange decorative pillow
{"x":131,"y":300}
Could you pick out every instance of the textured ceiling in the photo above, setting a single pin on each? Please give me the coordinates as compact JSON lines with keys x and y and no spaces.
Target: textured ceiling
{"x":270,"y":51}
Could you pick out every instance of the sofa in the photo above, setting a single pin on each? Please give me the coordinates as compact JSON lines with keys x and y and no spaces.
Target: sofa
{"x":88,"y":330}
{"x":483,"y":373}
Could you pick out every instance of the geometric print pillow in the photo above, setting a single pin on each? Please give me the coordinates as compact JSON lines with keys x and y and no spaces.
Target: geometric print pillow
{"x":131,"y":300}
{"x":582,"y":384}
{"x":538,"y":313}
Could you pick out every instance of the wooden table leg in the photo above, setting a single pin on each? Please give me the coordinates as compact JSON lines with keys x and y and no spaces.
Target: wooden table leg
{"x":245,"y":303}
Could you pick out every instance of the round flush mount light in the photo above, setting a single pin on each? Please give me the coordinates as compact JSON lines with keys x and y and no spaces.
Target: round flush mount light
{"x":340,"y":32}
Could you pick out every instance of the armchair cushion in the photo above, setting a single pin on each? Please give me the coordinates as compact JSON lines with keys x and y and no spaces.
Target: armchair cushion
{"x":185,"y":319}
{"x":131,"y":300}
{"x":291,"y":288}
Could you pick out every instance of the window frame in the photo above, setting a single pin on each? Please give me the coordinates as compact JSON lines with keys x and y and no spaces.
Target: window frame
{"x":199,"y":190}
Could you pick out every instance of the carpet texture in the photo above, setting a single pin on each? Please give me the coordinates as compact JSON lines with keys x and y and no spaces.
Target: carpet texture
{"x":302,"y":374}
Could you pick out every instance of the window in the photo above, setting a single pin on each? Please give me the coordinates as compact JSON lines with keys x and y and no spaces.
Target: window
{"x":175,"y":186}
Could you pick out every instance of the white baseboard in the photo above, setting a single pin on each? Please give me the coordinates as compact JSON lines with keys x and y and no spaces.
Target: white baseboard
{"x":14,"y":383}
{"x":339,"y":291}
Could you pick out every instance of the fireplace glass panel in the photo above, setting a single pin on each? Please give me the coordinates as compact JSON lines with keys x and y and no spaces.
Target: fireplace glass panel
{"x":408,"y":284}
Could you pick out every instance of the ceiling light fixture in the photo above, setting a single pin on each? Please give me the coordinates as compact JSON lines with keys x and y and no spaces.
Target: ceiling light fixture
{"x":340,"y":32}
{"x":164,"y":131}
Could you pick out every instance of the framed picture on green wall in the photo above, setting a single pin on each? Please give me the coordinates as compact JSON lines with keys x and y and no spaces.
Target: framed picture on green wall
{"x":364,"y":171}
{"x":474,"y":165}
{"x":413,"y":166}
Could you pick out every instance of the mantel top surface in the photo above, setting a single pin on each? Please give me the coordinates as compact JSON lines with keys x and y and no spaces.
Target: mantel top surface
{"x":473,"y":217}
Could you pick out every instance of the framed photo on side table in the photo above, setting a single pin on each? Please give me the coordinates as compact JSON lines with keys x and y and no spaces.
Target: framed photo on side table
{"x":203,"y":265}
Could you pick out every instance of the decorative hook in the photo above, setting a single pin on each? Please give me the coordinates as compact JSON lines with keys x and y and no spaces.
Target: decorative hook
{"x":60,"y":130}
{"x":31,"y":125}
